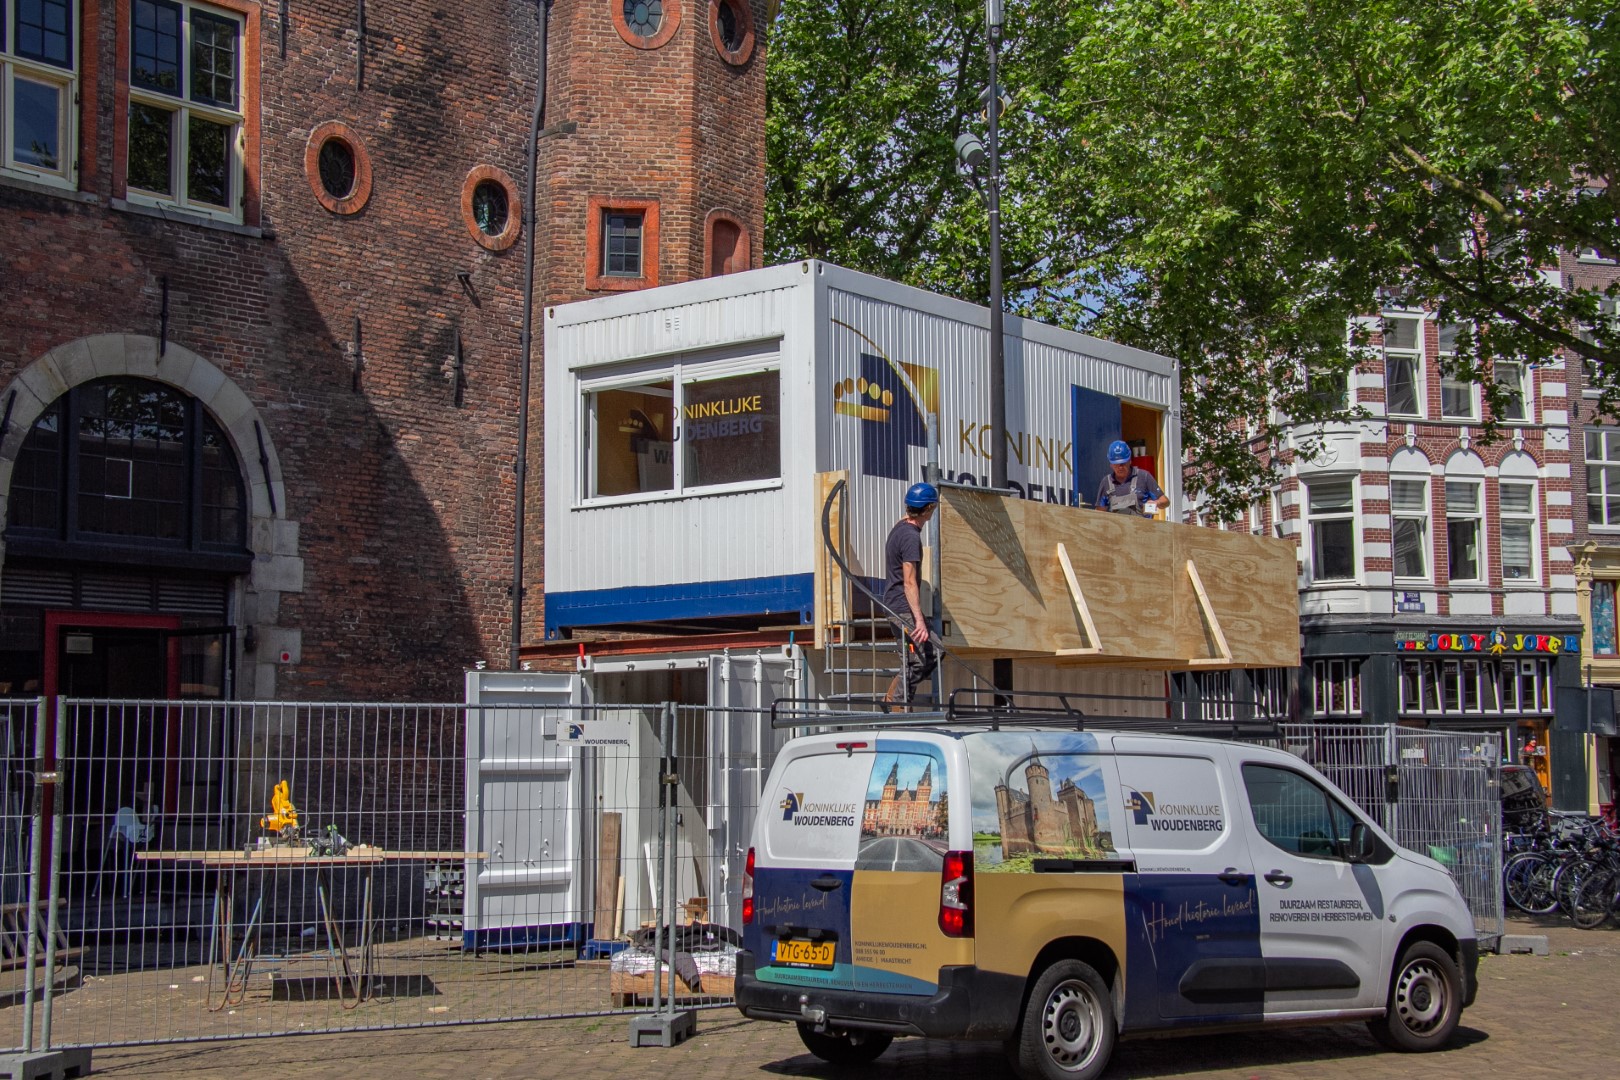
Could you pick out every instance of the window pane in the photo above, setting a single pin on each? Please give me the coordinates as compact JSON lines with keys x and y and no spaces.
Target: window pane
{"x":1456,"y":398}
{"x":1603,"y":621}
{"x":1400,"y":333}
{"x":1462,"y":498}
{"x":151,"y":148}
{"x":1400,"y":386}
{"x":1462,"y":540}
{"x":1330,"y":496}
{"x":1594,"y":443}
{"x":213,"y":59}
{"x":1517,"y":564}
{"x":621,"y":245}
{"x":37,"y":126}
{"x":1411,"y":547}
{"x":633,"y":448}
{"x":1448,"y":338}
{"x":45,"y":31}
{"x":731,"y":429}
{"x":208,"y":159}
{"x":1333,"y":545}
{"x":1410,"y":700}
{"x":1511,"y":377}
{"x":155,"y":46}
{"x":1450,"y":687}
{"x":1409,"y":496}
{"x":1518,"y":498}
{"x":1290,"y":811}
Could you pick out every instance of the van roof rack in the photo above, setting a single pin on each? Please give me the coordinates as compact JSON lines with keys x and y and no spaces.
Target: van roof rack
{"x":995,"y":709}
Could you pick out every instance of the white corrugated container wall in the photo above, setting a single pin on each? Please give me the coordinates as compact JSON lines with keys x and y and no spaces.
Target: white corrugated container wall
{"x":816,"y":321}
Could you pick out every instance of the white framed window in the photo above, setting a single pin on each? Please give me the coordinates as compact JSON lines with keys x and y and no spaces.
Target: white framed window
{"x":1331,"y":519}
{"x":1459,"y":396}
{"x":1336,"y":687}
{"x":1465,"y":517}
{"x":1514,"y":379}
{"x":1403,"y":365}
{"x":1275,"y":508}
{"x":39,"y":48}
{"x":1603,"y":477}
{"x":184,"y":121}
{"x":681,"y":429}
{"x":1520,"y":537}
{"x":1475,"y":687}
{"x":1410,"y":513}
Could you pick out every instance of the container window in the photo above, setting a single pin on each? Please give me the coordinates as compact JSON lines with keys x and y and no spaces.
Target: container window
{"x":632,"y":438}
{"x":731,"y":428}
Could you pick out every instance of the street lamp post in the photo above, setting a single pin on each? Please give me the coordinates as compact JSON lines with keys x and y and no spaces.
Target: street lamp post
{"x":998,"y":374}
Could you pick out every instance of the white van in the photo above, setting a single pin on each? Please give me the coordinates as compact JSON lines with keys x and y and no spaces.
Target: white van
{"x":1059,"y":889}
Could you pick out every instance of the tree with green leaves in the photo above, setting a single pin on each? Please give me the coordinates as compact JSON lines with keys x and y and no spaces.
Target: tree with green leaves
{"x":1228,"y":182}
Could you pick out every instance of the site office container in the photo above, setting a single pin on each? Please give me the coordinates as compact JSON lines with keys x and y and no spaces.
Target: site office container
{"x":685,"y":427}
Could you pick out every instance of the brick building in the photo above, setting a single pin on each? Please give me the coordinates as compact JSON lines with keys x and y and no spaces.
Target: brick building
{"x":263,"y":280}
{"x":1437,"y":584}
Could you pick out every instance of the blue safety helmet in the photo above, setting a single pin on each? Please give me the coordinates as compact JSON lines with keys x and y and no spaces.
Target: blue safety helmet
{"x":921,"y":495}
{"x":1118,"y":453}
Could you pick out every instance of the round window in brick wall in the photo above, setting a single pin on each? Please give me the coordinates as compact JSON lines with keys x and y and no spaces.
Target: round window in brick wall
{"x":490,"y":208}
{"x":338,"y":168}
{"x":646,"y":24}
{"x":731,"y":26}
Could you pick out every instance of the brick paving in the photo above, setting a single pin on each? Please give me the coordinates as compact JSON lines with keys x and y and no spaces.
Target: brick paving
{"x":1538,"y":1016}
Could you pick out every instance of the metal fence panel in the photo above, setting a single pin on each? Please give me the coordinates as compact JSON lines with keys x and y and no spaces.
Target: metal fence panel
{"x":455,"y":864}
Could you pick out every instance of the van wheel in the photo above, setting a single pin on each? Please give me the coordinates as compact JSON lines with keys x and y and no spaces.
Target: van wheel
{"x":845,"y":1048}
{"x":1068,"y":1028}
{"x":1425,"y":1001}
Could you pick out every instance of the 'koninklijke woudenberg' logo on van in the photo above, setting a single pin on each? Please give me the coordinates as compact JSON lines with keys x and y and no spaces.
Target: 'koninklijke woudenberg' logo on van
{"x":796,"y":810}
{"x":1173,"y":817}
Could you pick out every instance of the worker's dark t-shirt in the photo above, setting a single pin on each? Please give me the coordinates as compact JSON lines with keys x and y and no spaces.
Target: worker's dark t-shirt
{"x":904,"y":545}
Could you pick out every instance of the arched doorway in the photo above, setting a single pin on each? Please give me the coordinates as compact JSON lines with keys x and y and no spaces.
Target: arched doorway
{"x":126,"y":531}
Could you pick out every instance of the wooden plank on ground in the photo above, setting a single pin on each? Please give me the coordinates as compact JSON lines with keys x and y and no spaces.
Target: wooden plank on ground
{"x":607,"y":871}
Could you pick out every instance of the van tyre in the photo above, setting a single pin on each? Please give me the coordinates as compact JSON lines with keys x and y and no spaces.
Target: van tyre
{"x":1068,"y":1030}
{"x":1425,"y":1001}
{"x":845,"y":1048}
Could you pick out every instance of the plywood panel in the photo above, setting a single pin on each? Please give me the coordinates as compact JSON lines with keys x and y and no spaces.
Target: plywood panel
{"x":829,"y":580}
{"x":1005,"y":593}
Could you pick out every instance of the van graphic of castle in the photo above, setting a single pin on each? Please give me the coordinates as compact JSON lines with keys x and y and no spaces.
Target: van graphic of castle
{"x":1045,"y":810}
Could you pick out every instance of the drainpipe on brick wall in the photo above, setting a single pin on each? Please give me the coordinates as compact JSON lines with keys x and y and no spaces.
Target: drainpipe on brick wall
{"x":527,"y":345}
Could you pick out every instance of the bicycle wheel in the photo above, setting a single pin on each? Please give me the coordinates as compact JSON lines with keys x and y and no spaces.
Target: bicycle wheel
{"x":1569,"y":879}
{"x":1594,"y":900}
{"x":1517,"y":878}
{"x":1540,"y":896}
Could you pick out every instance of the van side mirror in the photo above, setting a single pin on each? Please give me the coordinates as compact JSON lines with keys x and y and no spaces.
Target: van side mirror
{"x":1362,"y":846}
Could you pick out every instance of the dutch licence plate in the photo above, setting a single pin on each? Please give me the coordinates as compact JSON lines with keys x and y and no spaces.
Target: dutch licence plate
{"x":816,"y":954}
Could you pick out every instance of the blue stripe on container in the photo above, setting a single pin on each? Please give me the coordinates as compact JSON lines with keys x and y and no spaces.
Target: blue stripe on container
{"x":787,"y":594}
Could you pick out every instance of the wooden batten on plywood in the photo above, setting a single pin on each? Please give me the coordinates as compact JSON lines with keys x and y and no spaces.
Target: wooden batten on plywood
{"x":831,"y":588}
{"x":1119,"y":592}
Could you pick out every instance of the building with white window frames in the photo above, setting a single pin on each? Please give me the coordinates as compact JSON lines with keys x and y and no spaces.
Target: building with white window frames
{"x":1421,"y":547}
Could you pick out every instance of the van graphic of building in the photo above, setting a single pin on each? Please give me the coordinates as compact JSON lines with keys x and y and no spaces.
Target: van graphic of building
{"x":902,"y":811}
{"x":1035,"y":822}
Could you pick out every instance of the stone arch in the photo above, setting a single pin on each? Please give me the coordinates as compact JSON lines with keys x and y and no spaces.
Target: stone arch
{"x":271,"y":537}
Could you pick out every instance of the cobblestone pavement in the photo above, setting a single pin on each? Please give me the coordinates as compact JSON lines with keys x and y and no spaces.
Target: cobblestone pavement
{"x":1536,"y":1015}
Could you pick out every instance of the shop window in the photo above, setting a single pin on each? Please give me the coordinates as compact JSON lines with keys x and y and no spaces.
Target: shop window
{"x":128,"y":462}
{"x":1459,"y":397}
{"x":1409,"y":507}
{"x":1603,"y":619}
{"x":1331,"y":511}
{"x":1475,"y":687}
{"x":621,"y":250}
{"x":693,"y":428}
{"x":1603,"y":477}
{"x":1403,"y":366}
{"x":185,"y":118}
{"x":1519,"y":534}
{"x":1464,"y":527}
{"x":38,"y":88}
{"x":1336,"y":687}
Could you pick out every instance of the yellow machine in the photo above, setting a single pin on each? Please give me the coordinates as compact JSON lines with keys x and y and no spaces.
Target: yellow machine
{"x":282,"y":822}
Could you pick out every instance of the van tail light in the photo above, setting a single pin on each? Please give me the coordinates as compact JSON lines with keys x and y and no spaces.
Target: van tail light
{"x":748,"y":889}
{"x":955,"y":895}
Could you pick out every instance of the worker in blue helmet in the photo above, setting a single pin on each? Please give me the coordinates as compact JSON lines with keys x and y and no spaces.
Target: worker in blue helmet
{"x":902,"y":594}
{"x":1127,"y":489}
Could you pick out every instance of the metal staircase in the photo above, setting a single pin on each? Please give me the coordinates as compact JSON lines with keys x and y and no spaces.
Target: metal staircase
{"x":862,"y":653}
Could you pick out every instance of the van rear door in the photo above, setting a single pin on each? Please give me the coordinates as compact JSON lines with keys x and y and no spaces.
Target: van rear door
{"x":848,"y":852}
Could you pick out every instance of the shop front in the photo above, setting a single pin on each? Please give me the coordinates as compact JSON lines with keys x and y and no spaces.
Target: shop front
{"x":1520,"y":682}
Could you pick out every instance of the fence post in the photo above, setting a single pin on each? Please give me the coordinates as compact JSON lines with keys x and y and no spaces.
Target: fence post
{"x":38,"y":804}
{"x":53,"y":882}
{"x":664,"y":1026}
